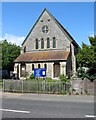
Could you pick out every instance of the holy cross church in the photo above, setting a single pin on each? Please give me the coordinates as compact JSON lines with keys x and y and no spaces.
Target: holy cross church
{"x":48,"y":45}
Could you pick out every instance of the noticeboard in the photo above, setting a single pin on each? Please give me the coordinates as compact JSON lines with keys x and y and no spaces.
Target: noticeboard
{"x":39,"y":72}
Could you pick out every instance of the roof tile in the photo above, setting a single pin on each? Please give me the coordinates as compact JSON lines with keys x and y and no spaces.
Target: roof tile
{"x":42,"y":56}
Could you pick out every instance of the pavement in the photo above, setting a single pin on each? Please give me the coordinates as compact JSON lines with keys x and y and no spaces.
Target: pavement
{"x":49,"y":97}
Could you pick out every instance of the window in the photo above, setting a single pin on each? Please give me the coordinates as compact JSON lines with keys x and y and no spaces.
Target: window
{"x":54,"y":42}
{"x":41,"y":20}
{"x":32,"y":66}
{"x":48,"y":19}
{"x":24,"y":49}
{"x":38,"y":65}
{"x":45,"y":29}
{"x":45,"y":66}
{"x":48,"y":43}
{"x":42,"y":43}
{"x":36,"y":44}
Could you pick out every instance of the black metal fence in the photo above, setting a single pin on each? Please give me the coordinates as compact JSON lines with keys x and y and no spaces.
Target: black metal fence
{"x":24,"y":86}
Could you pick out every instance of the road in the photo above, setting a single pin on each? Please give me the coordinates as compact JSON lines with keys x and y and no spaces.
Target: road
{"x":46,"y":106}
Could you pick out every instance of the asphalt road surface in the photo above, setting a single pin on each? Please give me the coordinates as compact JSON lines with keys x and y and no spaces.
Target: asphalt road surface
{"x":44,"y":106}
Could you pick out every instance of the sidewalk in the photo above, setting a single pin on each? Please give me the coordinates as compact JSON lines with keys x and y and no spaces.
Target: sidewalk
{"x":49,"y":97}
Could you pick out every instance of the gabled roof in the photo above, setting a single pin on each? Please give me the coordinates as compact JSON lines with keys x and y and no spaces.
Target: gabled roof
{"x":59,"y":25}
{"x":43,"y":56}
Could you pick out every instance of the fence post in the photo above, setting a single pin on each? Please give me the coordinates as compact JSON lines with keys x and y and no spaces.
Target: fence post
{"x":22,"y":86}
{"x":3,"y":88}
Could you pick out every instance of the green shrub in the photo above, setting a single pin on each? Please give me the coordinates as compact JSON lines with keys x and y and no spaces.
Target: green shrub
{"x":26,"y":75}
{"x":48,"y":79}
{"x":64,"y":92}
{"x":32,"y":76}
{"x":63,"y":78}
{"x":77,"y":93}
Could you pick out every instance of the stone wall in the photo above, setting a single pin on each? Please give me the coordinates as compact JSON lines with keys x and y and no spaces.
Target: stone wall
{"x":83,"y":86}
{"x":54,"y":31}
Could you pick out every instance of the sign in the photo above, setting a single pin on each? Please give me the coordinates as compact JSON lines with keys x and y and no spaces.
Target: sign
{"x":39,"y":72}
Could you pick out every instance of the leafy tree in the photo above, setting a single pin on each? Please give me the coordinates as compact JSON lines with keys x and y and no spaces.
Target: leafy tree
{"x":81,"y":73}
{"x":9,"y":54}
{"x":86,"y":57}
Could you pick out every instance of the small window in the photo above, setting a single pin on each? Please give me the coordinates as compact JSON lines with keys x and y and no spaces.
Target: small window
{"x":38,"y":65}
{"x":48,"y":43}
{"x":41,"y":20}
{"x":45,"y":29}
{"x":54,"y":42}
{"x":45,"y":66}
{"x":42,"y":43}
{"x":32,"y":66}
{"x":36,"y":44}
{"x":24,"y":49}
{"x":48,"y":19}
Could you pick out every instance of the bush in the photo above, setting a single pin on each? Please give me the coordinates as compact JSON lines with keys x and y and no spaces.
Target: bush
{"x":48,"y":79}
{"x":63,"y":78}
{"x":32,"y":76}
{"x":64,"y":92}
{"x":26,"y":75}
{"x":91,"y":74}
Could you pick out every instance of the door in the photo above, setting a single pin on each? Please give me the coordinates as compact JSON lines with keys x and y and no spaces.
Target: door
{"x":17,"y":71}
{"x":56,"y":69}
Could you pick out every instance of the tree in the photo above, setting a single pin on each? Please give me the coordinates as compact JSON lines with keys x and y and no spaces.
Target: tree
{"x":9,"y":53}
{"x":86,"y":57}
{"x":81,"y":73}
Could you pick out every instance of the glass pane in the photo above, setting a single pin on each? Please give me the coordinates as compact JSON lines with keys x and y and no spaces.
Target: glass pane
{"x":42,"y":43}
{"x":54,"y":42}
{"x":38,"y":65}
{"x":48,"y":43}
{"x":32,"y":66}
{"x":36,"y":44}
{"x":45,"y":66}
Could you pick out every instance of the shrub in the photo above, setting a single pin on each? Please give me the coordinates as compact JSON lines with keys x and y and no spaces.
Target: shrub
{"x":26,"y":75}
{"x":64,"y":92}
{"x":77,"y":93}
{"x":48,"y":79}
{"x":63,"y":78}
{"x":32,"y":76}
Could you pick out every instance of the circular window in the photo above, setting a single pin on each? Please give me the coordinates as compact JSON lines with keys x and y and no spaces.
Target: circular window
{"x":45,"y":29}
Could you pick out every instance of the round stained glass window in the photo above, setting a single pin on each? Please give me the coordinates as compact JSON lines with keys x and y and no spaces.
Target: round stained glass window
{"x":45,"y":29}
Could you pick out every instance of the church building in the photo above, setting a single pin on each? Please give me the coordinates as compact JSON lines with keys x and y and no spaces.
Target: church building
{"x":48,"y":45}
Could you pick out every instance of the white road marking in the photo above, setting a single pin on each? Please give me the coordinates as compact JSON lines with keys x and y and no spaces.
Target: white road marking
{"x":90,"y":116}
{"x":15,"y":111}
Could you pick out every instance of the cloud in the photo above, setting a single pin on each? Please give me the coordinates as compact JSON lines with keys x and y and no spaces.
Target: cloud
{"x":92,"y":35}
{"x":13,"y":39}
